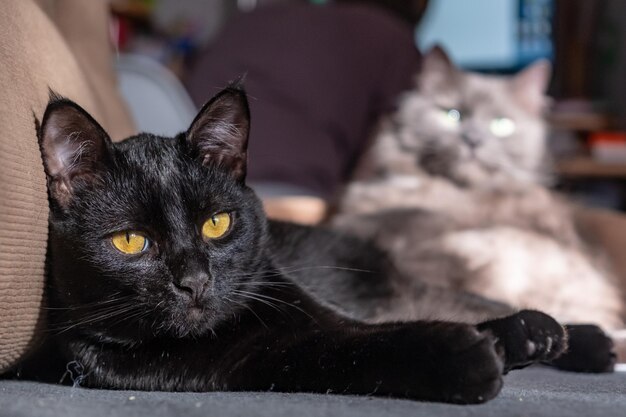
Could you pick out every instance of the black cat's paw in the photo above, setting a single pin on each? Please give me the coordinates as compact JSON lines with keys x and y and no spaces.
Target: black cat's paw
{"x":527,"y":337}
{"x":590,"y":350}
{"x":470,"y":369}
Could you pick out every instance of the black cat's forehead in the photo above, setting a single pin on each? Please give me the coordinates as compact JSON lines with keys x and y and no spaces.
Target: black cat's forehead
{"x":155,"y":177}
{"x":148,"y":149}
{"x":153,"y":157}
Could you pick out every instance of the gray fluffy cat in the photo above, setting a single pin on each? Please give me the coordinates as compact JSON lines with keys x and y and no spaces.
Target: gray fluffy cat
{"x":453,"y":187}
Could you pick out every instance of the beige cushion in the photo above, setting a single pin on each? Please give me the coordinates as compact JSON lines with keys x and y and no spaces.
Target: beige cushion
{"x":34,"y":55}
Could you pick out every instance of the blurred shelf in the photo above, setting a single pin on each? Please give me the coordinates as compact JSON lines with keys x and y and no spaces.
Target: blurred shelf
{"x":131,"y":9}
{"x":584,"y":167}
{"x":586,"y":122}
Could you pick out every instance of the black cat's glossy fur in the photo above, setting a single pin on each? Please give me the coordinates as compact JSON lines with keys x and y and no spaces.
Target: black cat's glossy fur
{"x":239,"y":312}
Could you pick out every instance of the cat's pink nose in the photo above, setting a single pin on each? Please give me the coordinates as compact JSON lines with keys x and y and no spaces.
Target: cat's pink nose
{"x":194,"y":285}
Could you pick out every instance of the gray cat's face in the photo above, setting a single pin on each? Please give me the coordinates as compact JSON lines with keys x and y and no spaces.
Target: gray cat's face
{"x":476,"y":130}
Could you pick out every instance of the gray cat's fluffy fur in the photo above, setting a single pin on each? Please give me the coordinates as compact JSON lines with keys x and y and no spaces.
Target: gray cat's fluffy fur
{"x":458,"y":206}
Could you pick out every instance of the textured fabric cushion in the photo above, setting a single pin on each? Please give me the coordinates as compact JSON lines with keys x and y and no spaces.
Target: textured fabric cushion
{"x":33,"y":57}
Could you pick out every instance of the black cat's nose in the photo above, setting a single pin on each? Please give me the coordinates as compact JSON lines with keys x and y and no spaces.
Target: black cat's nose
{"x":194,"y":285}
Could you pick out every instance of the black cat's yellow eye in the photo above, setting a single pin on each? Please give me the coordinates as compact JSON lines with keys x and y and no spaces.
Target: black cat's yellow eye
{"x":129,"y":242}
{"x":216,"y":226}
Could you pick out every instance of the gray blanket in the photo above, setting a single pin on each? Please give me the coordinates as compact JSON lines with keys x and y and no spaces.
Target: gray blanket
{"x":530,"y":392}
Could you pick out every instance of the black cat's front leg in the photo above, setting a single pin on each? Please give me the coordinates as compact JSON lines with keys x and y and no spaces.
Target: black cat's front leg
{"x":434,"y":361}
{"x":430,"y":361}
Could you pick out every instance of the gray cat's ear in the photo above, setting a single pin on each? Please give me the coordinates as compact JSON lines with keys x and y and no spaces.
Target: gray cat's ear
{"x":530,"y":85}
{"x":74,"y":147}
{"x":437,"y":68}
{"x":219,"y":133}
{"x":437,"y":60}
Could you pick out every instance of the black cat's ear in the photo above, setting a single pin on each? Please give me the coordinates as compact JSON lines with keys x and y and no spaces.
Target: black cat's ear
{"x":530,"y":85}
{"x":74,"y":147}
{"x":219,"y":133}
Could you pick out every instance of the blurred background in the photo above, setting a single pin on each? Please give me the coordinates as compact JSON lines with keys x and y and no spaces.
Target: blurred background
{"x":584,"y":39}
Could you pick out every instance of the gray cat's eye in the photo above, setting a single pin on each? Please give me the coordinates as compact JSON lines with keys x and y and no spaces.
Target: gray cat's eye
{"x":502,"y":127}
{"x":454,"y":115}
{"x":451,"y":117}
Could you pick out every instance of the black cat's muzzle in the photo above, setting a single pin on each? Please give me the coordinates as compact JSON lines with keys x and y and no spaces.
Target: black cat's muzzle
{"x":193,"y":288}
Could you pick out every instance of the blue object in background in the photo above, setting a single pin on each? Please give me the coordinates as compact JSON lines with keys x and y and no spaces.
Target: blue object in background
{"x":495,"y":35}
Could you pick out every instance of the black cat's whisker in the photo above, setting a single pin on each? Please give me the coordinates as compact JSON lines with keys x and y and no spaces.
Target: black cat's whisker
{"x":251,"y":311}
{"x":102,"y":311}
{"x":124,"y":319}
{"x":124,"y":313}
{"x":252,"y":297}
{"x":61,"y":328}
{"x":158,"y":305}
{"x":154,"y":309}
{"x":64,"y":327}
{"x":270,"y":299}
{"x":290,"y":270}
{"x":287,"y":271}
{"x":95,"y":303}
{"x":231,"y":301}
{"x":140,"y":310}
{"x":259,"y":274}
{"x":109,"y":308}
{"x":267,"y":284}
{"x":162,"y":327}
{"x":134,"y":318}
{"x":266,"y":274}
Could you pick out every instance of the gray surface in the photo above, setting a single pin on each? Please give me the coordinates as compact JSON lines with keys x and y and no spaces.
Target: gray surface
{"x":531,"y":392}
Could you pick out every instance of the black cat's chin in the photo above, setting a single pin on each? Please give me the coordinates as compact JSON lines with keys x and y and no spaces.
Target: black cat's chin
{"x":195,"y":324}
{"x":189,"y":321}
{"x":191,"y":318}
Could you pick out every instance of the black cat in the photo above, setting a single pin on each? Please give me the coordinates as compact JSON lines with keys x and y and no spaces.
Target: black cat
{"x":166,"y":275}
